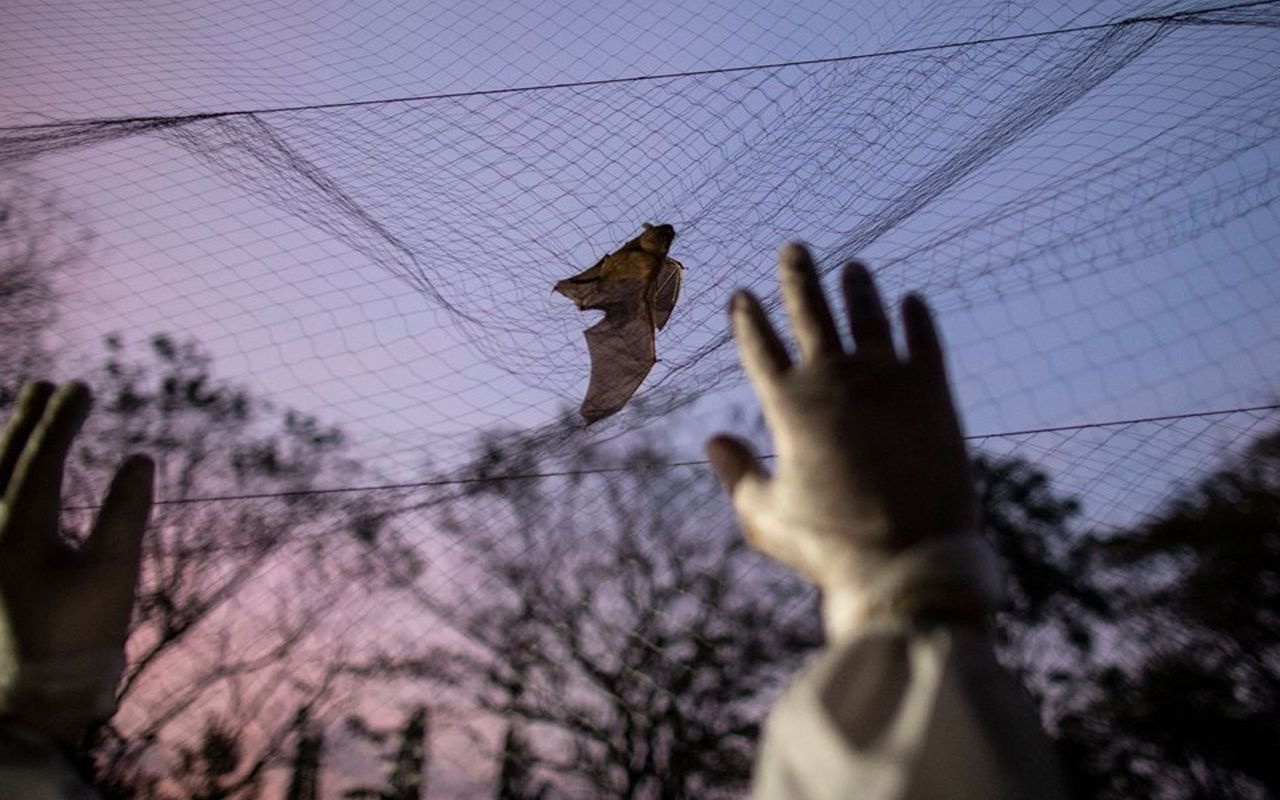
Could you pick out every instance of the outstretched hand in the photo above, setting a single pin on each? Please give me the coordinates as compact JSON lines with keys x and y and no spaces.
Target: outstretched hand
{"x":64,"y":612}
{"x":870,"y":457}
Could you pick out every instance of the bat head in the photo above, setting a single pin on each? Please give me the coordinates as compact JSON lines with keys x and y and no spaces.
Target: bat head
{"x":657,"y":238}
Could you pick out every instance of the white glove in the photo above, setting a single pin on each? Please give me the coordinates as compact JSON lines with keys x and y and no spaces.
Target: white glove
{"x":872,"y":499}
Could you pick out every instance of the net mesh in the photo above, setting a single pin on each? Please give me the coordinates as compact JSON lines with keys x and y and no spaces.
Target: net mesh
{"x":1085,"y":195}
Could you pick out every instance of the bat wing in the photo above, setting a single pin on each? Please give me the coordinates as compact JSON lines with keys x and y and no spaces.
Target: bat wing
{"x":584,"y":289}
{"x":666,"y":290}
{"x":621,"y":348}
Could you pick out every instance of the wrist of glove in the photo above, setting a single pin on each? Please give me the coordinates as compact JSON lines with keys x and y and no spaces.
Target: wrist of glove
{"x":60,"y":698}
{"x":953,"y":578}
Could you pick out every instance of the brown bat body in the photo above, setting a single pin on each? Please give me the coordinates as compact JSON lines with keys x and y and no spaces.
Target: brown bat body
{"x":636,"y":287}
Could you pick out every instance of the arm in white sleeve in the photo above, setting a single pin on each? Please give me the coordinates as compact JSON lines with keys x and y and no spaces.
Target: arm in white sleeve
{"x":871,"y":499}
{"x":901,"y":710}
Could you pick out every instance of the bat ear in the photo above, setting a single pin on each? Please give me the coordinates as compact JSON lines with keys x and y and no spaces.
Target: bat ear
{"x":648,"y":225}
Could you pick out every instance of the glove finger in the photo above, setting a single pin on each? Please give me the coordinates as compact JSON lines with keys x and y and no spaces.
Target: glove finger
{"x":867,"y":319}
{"x":750,"y":487}
{"x":763,"y":355}
{"x":30,"y":408}
{"x":923,"y":344}
{"x":114,"y":547}
{"x":736,"y":465}
{"x":811,"y":321}
{"x":733,"y":459}
{"x":35,"y":492}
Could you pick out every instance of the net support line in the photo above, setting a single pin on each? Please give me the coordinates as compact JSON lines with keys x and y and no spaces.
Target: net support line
{"x":1159,"y":19}
{"x":441,"y":482}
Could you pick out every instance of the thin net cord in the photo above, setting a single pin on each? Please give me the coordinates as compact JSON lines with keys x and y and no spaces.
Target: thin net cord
{"x":916,"y":160}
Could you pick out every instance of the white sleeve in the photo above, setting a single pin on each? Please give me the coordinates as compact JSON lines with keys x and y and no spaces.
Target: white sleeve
{"x":903,"y":713}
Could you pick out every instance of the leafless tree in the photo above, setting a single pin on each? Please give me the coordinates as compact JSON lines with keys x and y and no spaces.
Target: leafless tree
{"x":38,"y":240}
{"x":243,"y":565}
{"x":616,"y":624}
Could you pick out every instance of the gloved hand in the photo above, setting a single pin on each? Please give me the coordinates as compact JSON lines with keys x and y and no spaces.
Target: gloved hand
{"x":63,"y":613}
{"x":872,"y":497}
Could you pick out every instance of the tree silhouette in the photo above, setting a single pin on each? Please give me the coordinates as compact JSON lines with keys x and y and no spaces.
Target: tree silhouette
{"x":516,"y":780}
{"x":407,"y":765}
{"x":1190,"y":707}
{"x":1046,"y":621}
{"x":629,"y":643}
{"x":38,"y":241}
{"x":208,"y":567}
{"x":304,"y":769}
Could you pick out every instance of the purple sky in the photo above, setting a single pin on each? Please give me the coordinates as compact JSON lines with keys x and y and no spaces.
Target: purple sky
{"x":1116,"y":261}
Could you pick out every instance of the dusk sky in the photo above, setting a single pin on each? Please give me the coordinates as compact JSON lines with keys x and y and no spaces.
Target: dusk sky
{"x":1070,"y":265}
{"x":1092,"y":214}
